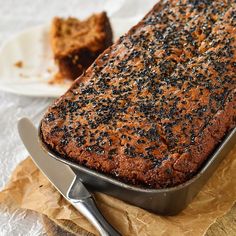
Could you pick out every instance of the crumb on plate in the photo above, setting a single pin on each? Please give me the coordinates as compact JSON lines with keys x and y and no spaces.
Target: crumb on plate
{"x":19,"y":64}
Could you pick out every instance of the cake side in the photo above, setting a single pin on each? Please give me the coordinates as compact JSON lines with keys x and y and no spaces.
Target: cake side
{"x":76,"y":44}
{"x":144,"y":110}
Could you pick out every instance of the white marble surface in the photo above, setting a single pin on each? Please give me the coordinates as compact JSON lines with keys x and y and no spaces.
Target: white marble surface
{"x":16,"y":16}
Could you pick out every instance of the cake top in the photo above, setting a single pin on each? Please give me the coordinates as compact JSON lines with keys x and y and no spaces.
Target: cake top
{"x":147,"y":99}
{"x":70,"y":34}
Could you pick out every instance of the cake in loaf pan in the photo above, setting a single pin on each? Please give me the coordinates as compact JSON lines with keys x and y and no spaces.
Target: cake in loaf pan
{"x":153,"y":107}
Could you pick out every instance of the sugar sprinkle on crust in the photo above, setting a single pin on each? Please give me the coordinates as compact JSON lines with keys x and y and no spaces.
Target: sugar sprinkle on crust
{"x":151,"y":108}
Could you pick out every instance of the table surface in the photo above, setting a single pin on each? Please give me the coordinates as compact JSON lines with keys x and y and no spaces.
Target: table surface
{"x":16,"y":16}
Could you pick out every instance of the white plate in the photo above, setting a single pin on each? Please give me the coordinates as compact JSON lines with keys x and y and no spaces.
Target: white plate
{"x":32,"y":48}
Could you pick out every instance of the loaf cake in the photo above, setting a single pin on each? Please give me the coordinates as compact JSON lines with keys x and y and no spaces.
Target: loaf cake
{"x":76,"y":44}
{"x":153,"y":107}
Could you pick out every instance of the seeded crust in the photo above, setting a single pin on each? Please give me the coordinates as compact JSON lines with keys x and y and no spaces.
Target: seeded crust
{"x":76,"y":44}
{"x":154,"y":106}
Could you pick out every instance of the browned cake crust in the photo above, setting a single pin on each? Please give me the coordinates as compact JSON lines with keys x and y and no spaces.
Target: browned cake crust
{"x":76,"y":44}
{"x":152,"y":107}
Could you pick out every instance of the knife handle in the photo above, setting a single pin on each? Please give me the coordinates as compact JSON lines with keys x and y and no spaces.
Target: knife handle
{"x":87,"y":207}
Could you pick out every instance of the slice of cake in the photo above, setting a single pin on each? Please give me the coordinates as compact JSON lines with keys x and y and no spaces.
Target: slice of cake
{"x":76,"y":44}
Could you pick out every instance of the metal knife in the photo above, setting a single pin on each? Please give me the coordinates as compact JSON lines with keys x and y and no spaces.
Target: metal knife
{"x":64,"y":179}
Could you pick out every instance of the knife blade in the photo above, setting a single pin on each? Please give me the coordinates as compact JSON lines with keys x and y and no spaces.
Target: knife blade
{"x":59,"y":174}
{"x":63,"y":179}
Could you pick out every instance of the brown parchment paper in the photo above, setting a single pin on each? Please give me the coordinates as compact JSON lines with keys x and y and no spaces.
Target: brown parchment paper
{"x":29,"y":189}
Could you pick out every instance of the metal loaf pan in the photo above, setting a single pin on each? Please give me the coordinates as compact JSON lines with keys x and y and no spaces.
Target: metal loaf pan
{"x":168,"y":201}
